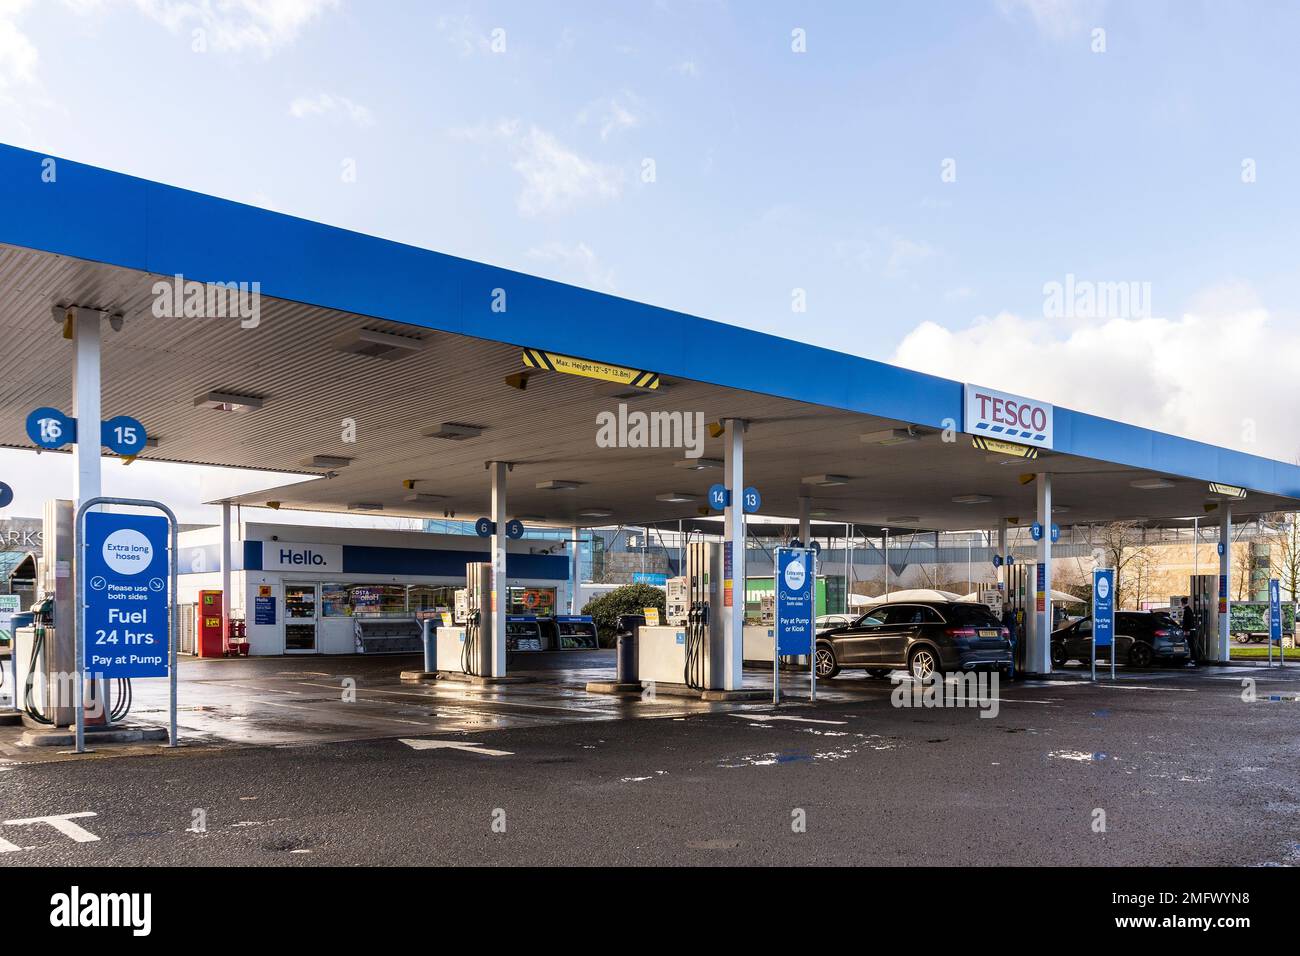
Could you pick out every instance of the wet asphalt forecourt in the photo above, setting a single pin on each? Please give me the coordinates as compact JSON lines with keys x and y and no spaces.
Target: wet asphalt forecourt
{"x":1183,"y":769}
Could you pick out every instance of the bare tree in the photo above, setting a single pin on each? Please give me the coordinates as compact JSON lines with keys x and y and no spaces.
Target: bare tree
{"x":1125,"y":549}
{"x":1281,"y":532}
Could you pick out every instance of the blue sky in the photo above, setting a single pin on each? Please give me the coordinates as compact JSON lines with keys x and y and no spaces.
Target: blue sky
{"x":775,"y":170}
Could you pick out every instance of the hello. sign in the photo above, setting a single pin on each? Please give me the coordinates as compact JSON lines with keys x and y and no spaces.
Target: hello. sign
{"x":1010,"y":417}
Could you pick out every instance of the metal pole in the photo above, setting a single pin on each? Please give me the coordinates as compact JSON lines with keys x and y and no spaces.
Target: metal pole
{"x":812,"y":641}
{"x":886,"y":553}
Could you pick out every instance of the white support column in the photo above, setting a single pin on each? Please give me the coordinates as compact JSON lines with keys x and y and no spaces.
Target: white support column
{"x":1003,"y":577}
{"x":227,"y":598}
{"x":575,"y":569}
{"x":86,"y":405}
{"x":1038,"y":653}
{"x":500,"y":584}
{"x":805,"y":520}
{"x":733,"y":572}
{"x":1225,"y":575}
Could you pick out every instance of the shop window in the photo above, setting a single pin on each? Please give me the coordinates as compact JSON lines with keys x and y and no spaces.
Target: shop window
{"x":378,"y":600}
{"x":538,"y":601}
{"x":335,"y":600}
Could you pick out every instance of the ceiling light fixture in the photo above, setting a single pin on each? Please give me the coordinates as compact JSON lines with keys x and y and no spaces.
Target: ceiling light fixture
{"x":676,"y":497}
{"x":229,"y":402}
{"x":698,"y":464}
{"x":452,"y":431}
{"x":891,"y":436}
{"x":971,"y":499}
{"x":423,"y":497}
{"x":1151,"y":484}
{"x":555,"y":484}
{"x":595,"y":513}
{"x":827,"y":481}
{"x":365,"y":506}
{"x":327,"y":461}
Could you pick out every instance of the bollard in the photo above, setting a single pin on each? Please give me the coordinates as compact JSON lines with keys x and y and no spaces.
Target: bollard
{"x":628,"y":625}
{"x":429,"y":634}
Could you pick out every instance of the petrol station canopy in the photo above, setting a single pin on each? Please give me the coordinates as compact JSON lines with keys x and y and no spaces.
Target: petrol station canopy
{"x":406,"y":342}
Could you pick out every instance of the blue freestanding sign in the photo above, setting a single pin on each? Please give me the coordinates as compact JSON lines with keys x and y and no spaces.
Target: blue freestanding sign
{"x":1103,"y":614}
{"x":796,"y":610}
{"x":794,"y":602}
{"x":1275,"y":611}
{"x":127,"y":585}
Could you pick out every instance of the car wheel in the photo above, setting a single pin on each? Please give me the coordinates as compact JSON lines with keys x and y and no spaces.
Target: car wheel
{"x":921,"y":663}
{"x":827,"y":665}
{"x":1058,"y":655}
{"x":1139,"y":655}
{"x":879,"y":673}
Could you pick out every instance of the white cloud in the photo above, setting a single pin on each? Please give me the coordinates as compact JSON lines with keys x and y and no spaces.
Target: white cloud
{"x":231,"y":26}
{"x":555,"y":178}
{"x":905,"y":253}
{"x":687,"y":68}
{"x":612,"y":113}
{"x":18,"y":55}
{"x":576,"y":262}
{"x":463,"y":34}
{"x":1168,"y":374}
{"x":326,"y":103}
{"x":1055,"y":18}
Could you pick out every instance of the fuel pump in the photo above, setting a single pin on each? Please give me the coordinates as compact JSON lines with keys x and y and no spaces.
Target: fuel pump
{"x":703,"y":613}
{"x":1204,"y":600}
{"x":1020,"y":601}
{"x":476,"y":652}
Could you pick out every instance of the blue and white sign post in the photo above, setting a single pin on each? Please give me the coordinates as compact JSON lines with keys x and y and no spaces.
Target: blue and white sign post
{"x":796,"y":613}
{"x":1103,"y":616}
{"x":126,"y":594}
{"x":1274,"y":617}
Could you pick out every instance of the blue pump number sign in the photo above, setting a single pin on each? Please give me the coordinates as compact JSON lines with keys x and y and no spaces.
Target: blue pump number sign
{"x":127,"y":590}
{"x":1275,"y":611}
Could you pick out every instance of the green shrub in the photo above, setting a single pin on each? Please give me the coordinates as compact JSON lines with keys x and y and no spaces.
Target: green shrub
{"x":606,"y":609}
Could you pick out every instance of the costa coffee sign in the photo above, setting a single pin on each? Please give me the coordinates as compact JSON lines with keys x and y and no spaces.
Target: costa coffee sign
{"x":1010,"y":417}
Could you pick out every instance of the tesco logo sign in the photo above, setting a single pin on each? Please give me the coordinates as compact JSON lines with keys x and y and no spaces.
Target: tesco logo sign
{"x":1010,"y":417}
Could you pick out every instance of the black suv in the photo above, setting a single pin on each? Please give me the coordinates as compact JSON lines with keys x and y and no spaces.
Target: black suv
{"x":1141,"y":638}
{"x":921,"y":636}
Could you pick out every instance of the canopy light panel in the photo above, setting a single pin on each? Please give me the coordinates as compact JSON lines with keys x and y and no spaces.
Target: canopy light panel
{"x":676,"y":497}
{"x":826,"y":481}
{"x":892,"y":436}
{"x":454,"y":431}
{"x":229,"y":402}
{"x":1151,"y":484}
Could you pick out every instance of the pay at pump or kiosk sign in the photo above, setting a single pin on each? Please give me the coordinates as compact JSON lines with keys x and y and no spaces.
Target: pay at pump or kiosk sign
{"x":127,"y":584}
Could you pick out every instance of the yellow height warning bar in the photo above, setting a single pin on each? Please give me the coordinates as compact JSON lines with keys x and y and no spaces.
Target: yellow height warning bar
{"x":553,"y":362}
{"x":1010,"y":449}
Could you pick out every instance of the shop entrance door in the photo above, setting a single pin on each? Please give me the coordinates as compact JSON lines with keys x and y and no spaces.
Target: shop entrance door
{"x":300,"y":613}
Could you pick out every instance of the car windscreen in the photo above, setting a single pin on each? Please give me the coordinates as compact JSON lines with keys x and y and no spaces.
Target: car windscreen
{"x":970,"y":615}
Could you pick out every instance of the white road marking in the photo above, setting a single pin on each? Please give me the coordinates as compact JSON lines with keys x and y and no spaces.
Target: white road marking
{"x":807,"y":720}
{"x":469,"y":746}
{"x":61,"y":822}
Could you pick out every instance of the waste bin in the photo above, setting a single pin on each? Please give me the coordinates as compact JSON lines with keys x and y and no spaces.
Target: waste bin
{"x":626,"y":631}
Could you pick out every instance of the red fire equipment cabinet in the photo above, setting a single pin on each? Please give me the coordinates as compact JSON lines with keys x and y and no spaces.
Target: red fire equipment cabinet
{"x":210,"y":641}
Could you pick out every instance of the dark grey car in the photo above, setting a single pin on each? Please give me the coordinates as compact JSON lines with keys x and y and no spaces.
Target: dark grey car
{"x":921,"y":636}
